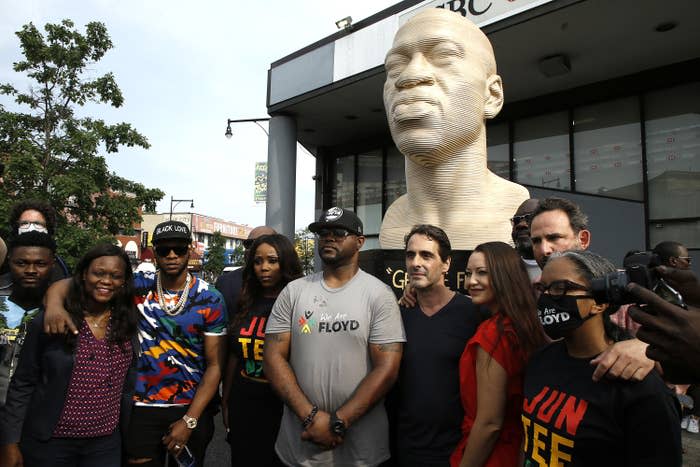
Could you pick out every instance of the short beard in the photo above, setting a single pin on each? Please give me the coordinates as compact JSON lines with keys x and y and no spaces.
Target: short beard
{"x":31,"y":294}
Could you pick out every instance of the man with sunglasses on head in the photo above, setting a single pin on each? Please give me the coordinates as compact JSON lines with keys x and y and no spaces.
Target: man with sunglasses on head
{"x":230,"y":283}
{"x":333,"y":346}
{"x":182,"y":327}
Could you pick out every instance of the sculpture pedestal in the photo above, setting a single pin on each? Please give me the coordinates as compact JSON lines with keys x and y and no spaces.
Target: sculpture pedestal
{"x":389,"y":266}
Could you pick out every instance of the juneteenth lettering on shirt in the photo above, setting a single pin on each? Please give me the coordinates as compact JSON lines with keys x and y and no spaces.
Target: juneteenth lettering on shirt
{"x":550,"y":422}
{"x":252,"y":341}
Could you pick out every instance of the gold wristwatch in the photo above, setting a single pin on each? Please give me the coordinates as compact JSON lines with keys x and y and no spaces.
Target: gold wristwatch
{"x":191,"y":422}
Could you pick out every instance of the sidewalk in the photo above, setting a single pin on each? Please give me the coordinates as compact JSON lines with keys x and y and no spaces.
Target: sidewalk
{"x":691,"y":444}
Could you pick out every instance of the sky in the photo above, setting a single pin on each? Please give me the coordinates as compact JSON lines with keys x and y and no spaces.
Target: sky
{"x":183,"y":69}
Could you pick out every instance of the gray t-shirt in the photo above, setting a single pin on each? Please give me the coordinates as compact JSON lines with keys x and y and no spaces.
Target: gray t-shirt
{"x":329,"y":353}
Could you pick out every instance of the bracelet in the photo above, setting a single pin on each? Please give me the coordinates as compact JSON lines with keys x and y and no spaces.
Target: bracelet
{"x":309,"y":418}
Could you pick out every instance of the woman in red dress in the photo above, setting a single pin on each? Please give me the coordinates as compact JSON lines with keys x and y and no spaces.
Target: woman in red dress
{"x":491,"y":367}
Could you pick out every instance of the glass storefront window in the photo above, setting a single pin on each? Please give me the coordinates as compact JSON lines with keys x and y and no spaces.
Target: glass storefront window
{"x":497,"y":141}
{"x":343,"y":194}
{"x":673,"y":163}
{"x":541,"y":151}
{"x":685,"y":232}
{"x":608,"y":149}
{"x":395,"y":175}
{"x":369,"y":190}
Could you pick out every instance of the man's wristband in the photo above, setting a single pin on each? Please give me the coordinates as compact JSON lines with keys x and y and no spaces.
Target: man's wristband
{"x":309,"y":418}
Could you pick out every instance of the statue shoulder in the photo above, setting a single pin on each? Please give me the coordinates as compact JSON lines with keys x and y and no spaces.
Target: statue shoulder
{"x":395,"y":224}
{"x":511,"y":191}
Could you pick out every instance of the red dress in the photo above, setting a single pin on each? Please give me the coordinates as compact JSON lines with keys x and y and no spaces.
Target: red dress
{"x":502,"y":346}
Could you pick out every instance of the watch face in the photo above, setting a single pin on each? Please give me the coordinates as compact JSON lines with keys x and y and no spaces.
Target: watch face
{"x":191,"y":422}
{"x":339,"y":427}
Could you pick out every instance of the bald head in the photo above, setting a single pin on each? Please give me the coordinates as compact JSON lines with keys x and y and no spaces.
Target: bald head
{"x":434,"y":24}
{"x":261,"y":230}
{"x":441,"y":85}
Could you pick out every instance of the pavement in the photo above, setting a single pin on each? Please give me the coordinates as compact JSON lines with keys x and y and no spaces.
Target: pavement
{"x":218,"y":453}
{"x":691,"y":446}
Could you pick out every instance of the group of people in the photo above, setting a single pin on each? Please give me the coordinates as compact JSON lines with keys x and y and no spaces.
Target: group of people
{"x":527,"y":369}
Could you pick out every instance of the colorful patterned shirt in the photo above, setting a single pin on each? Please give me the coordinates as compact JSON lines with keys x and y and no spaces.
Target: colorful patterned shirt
{"x":172,"y":361}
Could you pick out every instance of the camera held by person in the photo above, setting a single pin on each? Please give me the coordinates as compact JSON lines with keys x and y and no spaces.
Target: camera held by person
{"x":640,"y":268}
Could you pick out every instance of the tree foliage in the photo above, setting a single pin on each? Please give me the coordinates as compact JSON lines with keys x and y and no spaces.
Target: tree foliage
{"x":52,"y":153}
{"x":304,"y":244}
{"x":215,"y":257}
{"x":238,"y":256}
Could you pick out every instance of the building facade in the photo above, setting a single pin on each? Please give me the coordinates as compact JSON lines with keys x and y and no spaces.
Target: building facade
{"x":602,"y":107}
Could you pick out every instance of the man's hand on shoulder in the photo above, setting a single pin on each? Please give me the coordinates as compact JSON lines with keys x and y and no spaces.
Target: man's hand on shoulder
{"x":408,"y":299}
{"x":56,"y":318}
{"x":625,"y":360}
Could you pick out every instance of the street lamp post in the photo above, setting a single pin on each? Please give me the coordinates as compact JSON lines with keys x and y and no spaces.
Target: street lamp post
{"x":281,"y":166}
{"x":257,"y":121}
{"x":175,"y":202}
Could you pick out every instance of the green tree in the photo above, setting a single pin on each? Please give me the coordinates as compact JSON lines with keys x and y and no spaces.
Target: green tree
{"x":215,"y":257}
{"x":238,"y":256}
{"x":304,"y":243}
{"x":52,"y":153}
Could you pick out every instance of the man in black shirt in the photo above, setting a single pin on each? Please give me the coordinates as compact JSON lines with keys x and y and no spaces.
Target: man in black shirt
{"x":437,"y":329}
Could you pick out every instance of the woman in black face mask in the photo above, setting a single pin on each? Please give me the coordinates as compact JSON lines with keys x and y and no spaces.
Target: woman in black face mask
{"x":570,"y":419}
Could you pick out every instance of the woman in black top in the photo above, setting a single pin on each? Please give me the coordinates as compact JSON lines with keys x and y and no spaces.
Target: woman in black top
{"x":252,"y":412}
{"x":568,"y":418}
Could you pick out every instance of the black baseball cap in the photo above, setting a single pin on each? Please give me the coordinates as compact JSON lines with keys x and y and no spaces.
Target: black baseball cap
{"x":338,"y":217}
{"x":171,"y":230}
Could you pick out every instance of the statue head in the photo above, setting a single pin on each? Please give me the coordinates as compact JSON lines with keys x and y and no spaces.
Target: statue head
{"x":441,"y":85}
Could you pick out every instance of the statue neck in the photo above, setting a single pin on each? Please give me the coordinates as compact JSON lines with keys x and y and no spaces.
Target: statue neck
{"x":461,"y":181}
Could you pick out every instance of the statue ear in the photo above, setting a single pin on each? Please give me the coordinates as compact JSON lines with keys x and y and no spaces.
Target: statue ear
{"x":494,"y":96}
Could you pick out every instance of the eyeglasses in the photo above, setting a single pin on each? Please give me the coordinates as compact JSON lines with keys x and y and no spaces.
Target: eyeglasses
{"x":336,"y":233}
{"x":687,"y":258}
{"x":164,"y":251}
{"x":515,"y":220}
{"x":561,"y":288}
{"x":247,"y":243}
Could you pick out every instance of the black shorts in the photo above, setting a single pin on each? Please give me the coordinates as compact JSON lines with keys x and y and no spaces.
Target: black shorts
{"x":148,"y":425}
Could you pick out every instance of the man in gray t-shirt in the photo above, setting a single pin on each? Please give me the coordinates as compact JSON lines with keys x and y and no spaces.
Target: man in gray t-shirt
{"x":333,"y":346}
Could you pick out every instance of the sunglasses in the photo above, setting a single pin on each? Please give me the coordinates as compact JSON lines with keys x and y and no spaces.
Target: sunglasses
{"x":687,"y":258}
{"x":336,"y":233}
{"x":164,"y":251}
{"x":247,"y":243}
{"x":515,"y":220}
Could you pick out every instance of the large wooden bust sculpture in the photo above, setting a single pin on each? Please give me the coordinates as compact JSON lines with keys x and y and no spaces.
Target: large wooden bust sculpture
{"x":441,"y":85}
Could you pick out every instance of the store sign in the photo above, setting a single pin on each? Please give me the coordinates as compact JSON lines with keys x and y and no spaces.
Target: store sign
{"x":481,"y":12}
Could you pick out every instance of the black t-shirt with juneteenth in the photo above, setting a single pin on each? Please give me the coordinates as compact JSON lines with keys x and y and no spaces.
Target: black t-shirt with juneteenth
{"x":255,"y":410}
{"x":429,"y":408}
{"x":569,"y":419}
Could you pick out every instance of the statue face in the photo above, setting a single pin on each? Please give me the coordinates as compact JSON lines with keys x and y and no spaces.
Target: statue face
{"x":438,"y":85}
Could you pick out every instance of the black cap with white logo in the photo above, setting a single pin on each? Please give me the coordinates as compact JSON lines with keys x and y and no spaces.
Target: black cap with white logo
{"x":338,"y":217}
{"x":171,"y":230}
